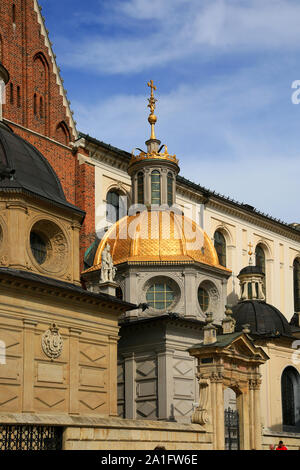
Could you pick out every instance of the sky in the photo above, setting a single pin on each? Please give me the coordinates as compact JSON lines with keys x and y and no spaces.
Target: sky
{"x":224,"y":71}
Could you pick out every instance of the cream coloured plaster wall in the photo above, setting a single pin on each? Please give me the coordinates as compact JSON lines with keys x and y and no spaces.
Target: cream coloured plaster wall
{"x":271,"y":400}
{"x":280,"y":250}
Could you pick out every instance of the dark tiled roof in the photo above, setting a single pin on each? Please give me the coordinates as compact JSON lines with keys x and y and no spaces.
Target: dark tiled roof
{"x":264,"y":319}
{"x":252,"y":270}
{"x":24,"y":168}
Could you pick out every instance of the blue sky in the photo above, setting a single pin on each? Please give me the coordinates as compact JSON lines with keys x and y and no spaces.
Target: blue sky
{"x":223,"y":69}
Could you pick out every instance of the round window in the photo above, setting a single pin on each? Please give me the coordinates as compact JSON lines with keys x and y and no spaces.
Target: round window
{"x":38,"y":247}
{"x":48,"y":247}
{"x":203,"y":298}
{"x":160,"y":296}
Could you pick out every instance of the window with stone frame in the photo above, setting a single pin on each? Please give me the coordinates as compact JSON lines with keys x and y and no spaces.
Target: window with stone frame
{"x":220,"y":246}
{"x":155,"y":188}
{"x":296,"y":267}
{"x":115,"y":206}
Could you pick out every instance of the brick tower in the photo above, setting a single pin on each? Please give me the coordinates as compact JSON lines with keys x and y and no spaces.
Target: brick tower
{"x":36,"y":103}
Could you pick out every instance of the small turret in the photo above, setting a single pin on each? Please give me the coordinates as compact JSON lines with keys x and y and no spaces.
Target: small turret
{"x":153,"y":172}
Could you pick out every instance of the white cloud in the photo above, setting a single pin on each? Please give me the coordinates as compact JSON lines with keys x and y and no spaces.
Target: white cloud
{"x":167,"y":30}
{"x":207,"y":127}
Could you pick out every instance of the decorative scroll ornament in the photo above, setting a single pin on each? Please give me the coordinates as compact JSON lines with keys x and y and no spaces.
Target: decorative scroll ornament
{"x":201,"y":414}
{"x":52,"y":342}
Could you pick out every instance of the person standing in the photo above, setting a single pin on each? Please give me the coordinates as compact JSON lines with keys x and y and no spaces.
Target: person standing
{"x":281,"y":446}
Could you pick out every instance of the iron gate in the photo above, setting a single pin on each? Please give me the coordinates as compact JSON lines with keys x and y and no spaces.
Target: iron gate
{"x":27,"y":437}
{"x":232,"y":431}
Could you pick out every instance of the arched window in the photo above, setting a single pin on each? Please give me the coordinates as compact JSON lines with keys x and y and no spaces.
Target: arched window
{"x":155,"y":188}
{"x":115,"y":207}
{"x":13,"y":13}
{"x":261,"y":261}
{"x":62,"y":133}
{"x":220,"y":246}
{"x":290,"y":397}
{"x":297,"y":285}
{"x":18,"y":97}
{"x":11,"y":88}
{"x":260,"y":258}
{"x":140,"y":188}
{"x":170,"y":189}
{"x":35,"y":104}
{"x":41,"y":107}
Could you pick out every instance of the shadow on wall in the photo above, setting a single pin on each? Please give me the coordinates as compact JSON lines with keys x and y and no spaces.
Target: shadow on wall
{"x":232,"y":299}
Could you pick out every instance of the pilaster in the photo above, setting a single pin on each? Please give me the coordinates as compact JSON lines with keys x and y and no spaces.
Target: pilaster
{"x":28,"y":368}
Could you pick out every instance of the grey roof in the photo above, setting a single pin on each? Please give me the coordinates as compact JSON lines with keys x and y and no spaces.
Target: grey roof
{"x":264,"y":319}
{"x":24,"y":168}
{"x":252,"y":270}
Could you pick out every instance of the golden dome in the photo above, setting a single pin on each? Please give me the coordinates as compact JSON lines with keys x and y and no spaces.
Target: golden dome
{"x":157,"y":236}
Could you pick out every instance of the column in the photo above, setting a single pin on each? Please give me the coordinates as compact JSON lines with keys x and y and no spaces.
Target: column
{"x":220,"y":431}
{"x":164,"y":187}
{"x":130,"y":385}
{"x":28,"y":365}
{"x":74,"y":334}
{"x":251,"y":416}
{"x":257,"y":416}
{"x":243,"y":404}
{"x":147,"y":186}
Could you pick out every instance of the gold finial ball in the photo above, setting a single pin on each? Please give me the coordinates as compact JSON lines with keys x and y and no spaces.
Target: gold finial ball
{"x":152,"y":119}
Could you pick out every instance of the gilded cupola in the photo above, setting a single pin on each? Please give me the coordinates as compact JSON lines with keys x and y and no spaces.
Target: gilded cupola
{"x":156,"y":231}
{"x":153,"y":171}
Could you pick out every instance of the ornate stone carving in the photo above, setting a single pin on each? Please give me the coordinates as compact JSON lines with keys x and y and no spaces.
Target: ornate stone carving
{"x":108,"y":271}
{"x":216,"y":376}
{"x":254,"y":384}
{"x":4,"y":260}
{"x":52,"y":342}
{"x":201,"y":415}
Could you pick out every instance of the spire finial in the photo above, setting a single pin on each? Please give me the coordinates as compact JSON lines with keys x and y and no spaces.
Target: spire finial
{"x":250,"y":253}
{"x":152,"y":100}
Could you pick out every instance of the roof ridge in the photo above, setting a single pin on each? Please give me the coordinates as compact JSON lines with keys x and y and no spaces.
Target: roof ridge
{"x":56,"y":69}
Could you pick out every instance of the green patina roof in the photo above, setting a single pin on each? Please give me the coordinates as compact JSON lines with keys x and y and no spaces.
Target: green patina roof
{"x":222,"y":341}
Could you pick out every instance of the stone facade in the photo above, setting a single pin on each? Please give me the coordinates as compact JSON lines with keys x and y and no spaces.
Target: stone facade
{"x":156,"y":375}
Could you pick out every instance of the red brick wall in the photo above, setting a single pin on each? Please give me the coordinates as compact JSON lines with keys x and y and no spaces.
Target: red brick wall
{"x":85,"y":197}
{"x":33,"y":100}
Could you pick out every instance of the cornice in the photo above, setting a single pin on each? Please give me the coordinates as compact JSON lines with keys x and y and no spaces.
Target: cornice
{"x":255,"y":219}
{"x":60,"y":292}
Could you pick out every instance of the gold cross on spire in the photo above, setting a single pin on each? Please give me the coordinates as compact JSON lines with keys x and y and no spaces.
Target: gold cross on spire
{"x":152,"y":118}
{"x":153,"y":87}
